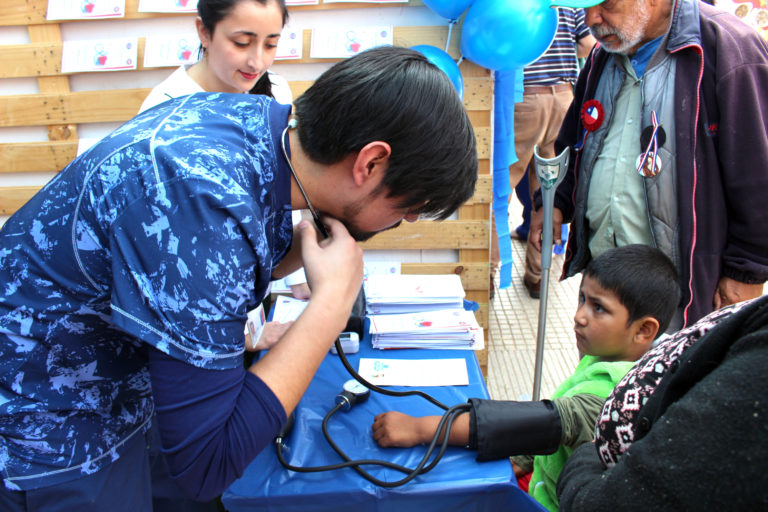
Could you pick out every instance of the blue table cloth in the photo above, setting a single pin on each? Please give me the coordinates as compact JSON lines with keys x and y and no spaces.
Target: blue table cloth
{"x":457,"y":483}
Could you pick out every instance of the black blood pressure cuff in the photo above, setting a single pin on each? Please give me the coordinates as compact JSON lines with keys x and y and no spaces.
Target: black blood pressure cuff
{"x":499,"y":429}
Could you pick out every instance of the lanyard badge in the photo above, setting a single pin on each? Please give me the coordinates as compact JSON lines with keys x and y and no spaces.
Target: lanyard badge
{"x":653,"y":137}
{"x":592,"y":116}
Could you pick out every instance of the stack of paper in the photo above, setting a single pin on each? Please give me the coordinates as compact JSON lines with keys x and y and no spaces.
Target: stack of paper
{"x":447,"y":328}
{"x":408,"y":293}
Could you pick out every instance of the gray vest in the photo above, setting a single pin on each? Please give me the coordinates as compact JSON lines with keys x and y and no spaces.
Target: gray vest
{"x":660,"y":190}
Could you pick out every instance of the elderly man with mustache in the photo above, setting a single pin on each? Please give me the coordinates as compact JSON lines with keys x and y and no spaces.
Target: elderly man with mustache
{"x":668,"y":130}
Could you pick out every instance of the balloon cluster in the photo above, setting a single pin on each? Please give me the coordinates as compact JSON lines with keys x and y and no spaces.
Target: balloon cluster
{"x":445,"y":62}
{"x":501,"y":34}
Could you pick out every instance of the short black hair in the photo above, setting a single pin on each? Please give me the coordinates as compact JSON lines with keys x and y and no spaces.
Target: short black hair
{"x":643,"y":278}
{"x":395,"y":95}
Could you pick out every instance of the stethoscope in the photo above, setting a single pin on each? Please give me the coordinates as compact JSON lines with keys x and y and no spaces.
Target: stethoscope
{"x":357,"y":390}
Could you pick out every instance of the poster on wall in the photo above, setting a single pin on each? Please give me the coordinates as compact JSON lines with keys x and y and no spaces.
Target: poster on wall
{"x":340,"y":42}
{"x":751,"y":12}
{"x":301,"y":2}
{"x":84,"y":9}
{"x":167,"y":6}
{"x":174,"y":50}
{"x":100,"y":55}
{"x":291,"y":44}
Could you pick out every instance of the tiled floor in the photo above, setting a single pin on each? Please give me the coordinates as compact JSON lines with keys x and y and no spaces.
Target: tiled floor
{"x":513,"y":332}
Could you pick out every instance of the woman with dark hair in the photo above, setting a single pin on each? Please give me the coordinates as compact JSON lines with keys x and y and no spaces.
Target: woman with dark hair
{"x":238,"y":42}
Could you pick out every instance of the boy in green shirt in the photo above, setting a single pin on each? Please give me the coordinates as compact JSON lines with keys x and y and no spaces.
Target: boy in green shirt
{"x":627,"y":297}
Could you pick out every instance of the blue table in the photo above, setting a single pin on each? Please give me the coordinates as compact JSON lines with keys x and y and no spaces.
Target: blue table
{"x":457,"y":483}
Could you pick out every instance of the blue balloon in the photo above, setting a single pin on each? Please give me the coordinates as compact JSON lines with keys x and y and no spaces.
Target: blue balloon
{"x":507,"y":34}
{"x":450,"y":9}
{"x":446,"y":64}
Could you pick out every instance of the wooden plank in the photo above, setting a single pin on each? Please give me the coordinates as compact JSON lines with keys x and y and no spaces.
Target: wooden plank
{"x":27,"y":60}
{"x":472,"y":275}
{"x":53,"y":156}
{"x":36,"y":156}
{"x":52,"y":84}
{"x":43,"y":58}
{"x":116,"y":105}
{"x":13,"y":198}
{"x":484,"y":141}
{"x":17,"y":13}
{"x":448,"y":234}
{"x":483,"y":191}
{"x":22,"y":13}
{"x":70,"y":108}
{"x":478,"y":94}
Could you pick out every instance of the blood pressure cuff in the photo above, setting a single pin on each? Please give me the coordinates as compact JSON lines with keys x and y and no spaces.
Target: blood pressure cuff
{"x":499,"y":429}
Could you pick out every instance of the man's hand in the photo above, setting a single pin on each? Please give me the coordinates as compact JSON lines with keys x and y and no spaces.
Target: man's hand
{"x":401,"y":430}
{"x":334,"y":266}
{"x":537,"y":223}
{"x":270,"y":334}
{"x":300,"y":291}
{"x":729,"y":291}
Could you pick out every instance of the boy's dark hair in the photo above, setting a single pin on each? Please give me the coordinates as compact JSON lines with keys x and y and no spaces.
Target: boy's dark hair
{"x":397,"y":96}
{"x":643,"y":278}
{"x":211,"y":12}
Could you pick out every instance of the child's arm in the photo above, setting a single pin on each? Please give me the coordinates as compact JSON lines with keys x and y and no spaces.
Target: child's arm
{"x":500,"y":429}
{"x":578,"y":415}
{"x":401,"y":430}
{"x":522,"y":465}
{"x":495,"y":428}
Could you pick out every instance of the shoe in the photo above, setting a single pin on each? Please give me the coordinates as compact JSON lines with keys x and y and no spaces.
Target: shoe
{"x":534,"y":289}
{"x":520,"y":233}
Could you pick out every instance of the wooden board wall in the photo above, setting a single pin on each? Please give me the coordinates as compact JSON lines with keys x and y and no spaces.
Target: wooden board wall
{"x":62,"y":111}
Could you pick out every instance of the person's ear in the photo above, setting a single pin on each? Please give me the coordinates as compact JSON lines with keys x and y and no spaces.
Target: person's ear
{"x":646,"y":329}
{"x":202,"y":32}
{"x":371,"y":162}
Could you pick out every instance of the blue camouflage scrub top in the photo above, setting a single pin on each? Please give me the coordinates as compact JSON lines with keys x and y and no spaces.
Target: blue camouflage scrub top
{"x":165,"y":232}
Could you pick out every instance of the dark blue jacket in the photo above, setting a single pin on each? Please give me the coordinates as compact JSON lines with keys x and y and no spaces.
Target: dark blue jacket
{"x":721,"y":122}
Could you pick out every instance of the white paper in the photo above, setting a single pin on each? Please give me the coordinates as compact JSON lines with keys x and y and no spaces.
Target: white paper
{"x":287,"y":309}
{"x":341,"y":42}
{"x":411,"y":293}
{"x":255,"y":324}
{"x":84,"y":9}
{"x":301,"y":2}
{"x":440,"y":329}
{"x":290,"y":46}
{"x":100,"y":55}
{"x":414,"y":372}
{"x":175,"y":50}
{"x":167,"y":6}
{"x":380,"y":268}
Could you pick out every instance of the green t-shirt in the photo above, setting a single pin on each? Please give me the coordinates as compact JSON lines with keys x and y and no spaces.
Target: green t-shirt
{"x":591,"y":376}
